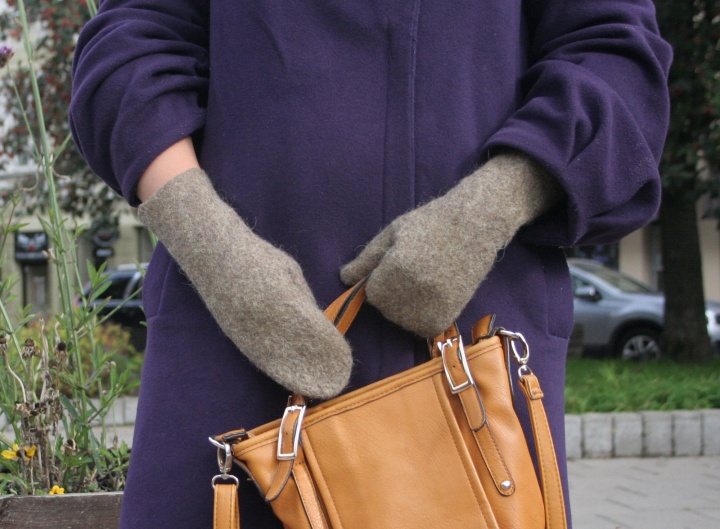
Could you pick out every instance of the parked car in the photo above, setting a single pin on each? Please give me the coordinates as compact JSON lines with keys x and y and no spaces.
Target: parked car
{"x":124,"y":296}
{"x":621,"y":316}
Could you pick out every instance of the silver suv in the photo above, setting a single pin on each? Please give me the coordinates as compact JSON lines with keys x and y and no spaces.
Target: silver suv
{"x":621,"y":316}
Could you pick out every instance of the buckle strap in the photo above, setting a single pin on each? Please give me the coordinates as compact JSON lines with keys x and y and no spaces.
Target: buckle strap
{"x":494,"y":461}
{"x":461,"y":383}
{"x":288,"y":445}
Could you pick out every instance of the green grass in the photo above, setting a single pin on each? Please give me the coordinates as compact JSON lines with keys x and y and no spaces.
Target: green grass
{"x":614,"y":385}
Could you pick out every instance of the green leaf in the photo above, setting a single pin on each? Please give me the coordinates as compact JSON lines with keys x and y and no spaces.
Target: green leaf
{"x":70,"y":407}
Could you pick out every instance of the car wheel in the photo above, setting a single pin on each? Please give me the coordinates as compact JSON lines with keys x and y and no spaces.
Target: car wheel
{"x":639,"y":343}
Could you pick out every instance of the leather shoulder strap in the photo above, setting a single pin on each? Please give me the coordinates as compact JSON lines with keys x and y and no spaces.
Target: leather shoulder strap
{"x":553,"y":498}
{"x":227,"y":511}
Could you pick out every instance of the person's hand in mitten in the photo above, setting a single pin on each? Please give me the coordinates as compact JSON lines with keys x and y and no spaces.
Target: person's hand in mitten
{"x":255,"y":291}
{"x":427,"y":264}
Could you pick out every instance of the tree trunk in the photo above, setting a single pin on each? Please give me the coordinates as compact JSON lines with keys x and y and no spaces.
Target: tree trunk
{"x":685,"y":337}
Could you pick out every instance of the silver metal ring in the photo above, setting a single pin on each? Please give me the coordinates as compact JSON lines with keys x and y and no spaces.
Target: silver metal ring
{"x":513,"y":338}
{"x":224,"y":456}
{"x":524,"y":370}
{"x":227,"y":477}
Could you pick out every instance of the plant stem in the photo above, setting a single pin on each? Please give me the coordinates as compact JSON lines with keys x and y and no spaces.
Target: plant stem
{"x":59,"y":235}
{"x":92,"y":7}
{"x":54,"y":213}
{"x":6,"y":317}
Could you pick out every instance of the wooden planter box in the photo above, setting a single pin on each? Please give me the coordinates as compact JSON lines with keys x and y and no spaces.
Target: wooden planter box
{"x":99,"y":510}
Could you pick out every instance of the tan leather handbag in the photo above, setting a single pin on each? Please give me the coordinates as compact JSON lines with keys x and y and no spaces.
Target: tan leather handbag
{"x":438,"y":445}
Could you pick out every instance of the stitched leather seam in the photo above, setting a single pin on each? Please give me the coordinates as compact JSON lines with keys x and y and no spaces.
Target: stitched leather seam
{"x":541,"y":456}
{"x":550,"y":473}
{"x":478,"y":442}
{"x":218,"y":509}
{"x":450,"y":418}
{"x":488,"y":464}
{"x":305,"y":502}
{"x":543,"y":437}
{"x":320,"y":476}
{"x":216,"y":512}
{"x":502,"y":459}
{"x":302,"y":498}
{"x":479,"y":436}
{"x":279,"y":467}
{"x":234,"y":522}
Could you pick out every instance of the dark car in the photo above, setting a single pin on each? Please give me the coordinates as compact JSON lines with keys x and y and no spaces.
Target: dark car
{"x":124,"y":297}
{"x":621,"y":316}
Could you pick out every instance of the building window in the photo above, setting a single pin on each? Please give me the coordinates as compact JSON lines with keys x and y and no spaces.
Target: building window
{"x":606,"y":254}
{"x":36,"y":288}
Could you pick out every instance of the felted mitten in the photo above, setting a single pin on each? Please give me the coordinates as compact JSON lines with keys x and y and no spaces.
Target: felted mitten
{"x":427,"y":264}
{"x":255,"y":291}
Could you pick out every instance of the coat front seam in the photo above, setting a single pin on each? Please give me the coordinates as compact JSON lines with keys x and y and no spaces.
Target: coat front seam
{"x":411,"y":94}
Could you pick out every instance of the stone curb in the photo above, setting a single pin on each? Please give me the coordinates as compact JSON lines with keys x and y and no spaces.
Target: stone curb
{"x":590,"y":435}
{"x":124,"y":411}
{"x":603,"y":435}
{"x":643,"y":434}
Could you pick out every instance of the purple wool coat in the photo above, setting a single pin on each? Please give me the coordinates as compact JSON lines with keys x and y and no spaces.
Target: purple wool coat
{"x":321,"y":122}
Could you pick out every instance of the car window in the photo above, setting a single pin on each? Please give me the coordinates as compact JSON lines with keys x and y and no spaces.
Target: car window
{"x":616,"y":279}
{"x":579,"y":283}
{"x":117,"y":288}
{"x":135,"y":285}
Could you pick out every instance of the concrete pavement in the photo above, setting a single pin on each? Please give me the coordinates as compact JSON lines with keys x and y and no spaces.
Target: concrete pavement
{"x":645,"y":493}
{"x":634,"y":493}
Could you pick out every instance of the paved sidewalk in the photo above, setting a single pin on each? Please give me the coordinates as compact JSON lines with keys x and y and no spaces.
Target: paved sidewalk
{"x":633,"y":493}
{"x":645,"y":493}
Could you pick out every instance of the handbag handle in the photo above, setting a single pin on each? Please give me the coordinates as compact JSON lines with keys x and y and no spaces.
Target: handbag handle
{"x":343,"y":310}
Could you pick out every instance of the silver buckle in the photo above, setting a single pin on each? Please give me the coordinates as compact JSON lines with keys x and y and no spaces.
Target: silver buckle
{"x":456,"y":388}
{"x":283,"y":456}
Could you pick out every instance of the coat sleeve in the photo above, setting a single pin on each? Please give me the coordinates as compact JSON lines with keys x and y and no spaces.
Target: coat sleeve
{"x":139,"y":85}
{"x":595,"y":114}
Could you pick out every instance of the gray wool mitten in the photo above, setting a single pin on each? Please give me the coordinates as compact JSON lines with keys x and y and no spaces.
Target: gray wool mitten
{"x":255,"y":291}
{"x":427,"y":264}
